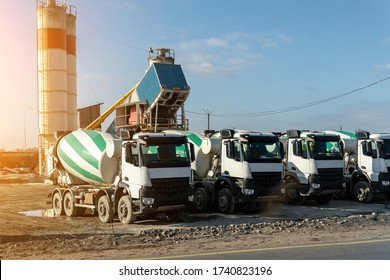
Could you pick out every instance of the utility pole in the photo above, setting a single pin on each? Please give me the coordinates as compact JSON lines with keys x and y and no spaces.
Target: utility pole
{"x":208,"y":112}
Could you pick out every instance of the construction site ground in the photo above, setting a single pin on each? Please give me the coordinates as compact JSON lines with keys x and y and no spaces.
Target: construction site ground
{"x":28,"y":230}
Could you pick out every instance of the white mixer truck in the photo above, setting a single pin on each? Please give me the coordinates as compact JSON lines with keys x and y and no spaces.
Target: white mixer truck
{"x":367,"y":164}
{"x":314,"y":166}
{"x":146,"y":174}
{"x":236,"y":167}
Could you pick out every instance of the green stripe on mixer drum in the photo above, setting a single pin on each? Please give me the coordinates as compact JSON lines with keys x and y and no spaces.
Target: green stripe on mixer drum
{"x":77,"y":168}
{"x":80,"y":150}
{"x":97,"y":139}
{"x":352,"y":135}
{"x":193,"y":137}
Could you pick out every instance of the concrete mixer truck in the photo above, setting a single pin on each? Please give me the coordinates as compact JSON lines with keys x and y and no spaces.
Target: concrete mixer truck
{"x":367,"y":164}
{"x":234,"y":168}
{"x":146,"y":174}
{"x":314,"y":166}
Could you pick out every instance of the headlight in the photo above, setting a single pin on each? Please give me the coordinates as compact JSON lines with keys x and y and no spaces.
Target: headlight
{"x":248,"y":191}
{"x":315,"y":186}
{"x":191,"y":198}
{"x":147,"y":200}
{"x":386,"y":183}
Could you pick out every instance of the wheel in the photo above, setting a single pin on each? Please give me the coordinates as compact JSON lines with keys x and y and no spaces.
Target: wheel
{"x":125,"y":213}
{"x":200,"y":199}
{"x":225,"y":201}
{"x":58,"y":208}
{"x":363,"y":191}
{"x":69,"y":207}
{"x":104,"y":209}
{"x":292,"y":195}
{"x":324,"y":199}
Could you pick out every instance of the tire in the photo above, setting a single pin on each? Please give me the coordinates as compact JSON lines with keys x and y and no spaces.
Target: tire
{"x":58,"y":207}
{"x":324,"y":199}
{"x":225,"y":201}
{"x":125,"y":212}
{"x":362,"y":191}
{"x":104,"y":209}
{"x":292,"y":195}
{"x":200,"y":199}
{"x":69,"y":205}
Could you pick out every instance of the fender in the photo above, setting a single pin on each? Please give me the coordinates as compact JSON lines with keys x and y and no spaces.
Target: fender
{"x":221,"y":181}
{"x":290,"y":177}
{"x":104,"y":191}
{"x":359,"y":175}
{"x":121,"y":190}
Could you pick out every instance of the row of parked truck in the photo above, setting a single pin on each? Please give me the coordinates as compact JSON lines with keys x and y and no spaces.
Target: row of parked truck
{"x":151,"y":173}
{"x":152,"y":164}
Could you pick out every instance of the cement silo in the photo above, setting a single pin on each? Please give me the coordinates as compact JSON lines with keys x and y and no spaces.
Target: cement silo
{"x":56,"y":54}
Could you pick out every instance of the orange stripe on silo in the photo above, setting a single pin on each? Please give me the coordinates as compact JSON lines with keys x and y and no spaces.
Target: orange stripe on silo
{"x":51,"y":38}
{"x":71,"y":44}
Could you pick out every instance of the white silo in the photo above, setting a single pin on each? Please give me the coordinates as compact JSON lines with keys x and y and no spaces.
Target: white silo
{"x":57,"y":107}
{"x":71,"y":66}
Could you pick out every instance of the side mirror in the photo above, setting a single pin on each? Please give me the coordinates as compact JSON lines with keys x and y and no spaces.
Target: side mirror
{"x":192,"y":152}
{"x":281,"y":146}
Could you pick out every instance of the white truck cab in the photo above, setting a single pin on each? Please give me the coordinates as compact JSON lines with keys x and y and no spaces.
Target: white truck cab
{"x":313,"y":166}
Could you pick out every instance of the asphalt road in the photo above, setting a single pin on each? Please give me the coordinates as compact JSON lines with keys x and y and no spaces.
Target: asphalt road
{"x":377,"y":249}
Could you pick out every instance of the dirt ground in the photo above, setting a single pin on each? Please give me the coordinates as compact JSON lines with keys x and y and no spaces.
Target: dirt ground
{"x":35,"y":237}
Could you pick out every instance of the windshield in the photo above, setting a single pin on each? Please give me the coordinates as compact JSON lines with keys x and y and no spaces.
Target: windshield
{"x":384,"y":149}
{"x":165,"y":155}
{"x":262,"y":151}
{"x":325,"y":149}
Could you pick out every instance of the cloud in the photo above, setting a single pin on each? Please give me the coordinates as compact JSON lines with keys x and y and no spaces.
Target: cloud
{"x":224,"y":55}
{"x":382,"y":67}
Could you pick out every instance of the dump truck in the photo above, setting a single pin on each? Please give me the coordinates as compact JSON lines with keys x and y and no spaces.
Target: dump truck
{"x":314,"y":166}
{"x":142,"y":175}
{"x":234,"y":167}
{"x":367,"y":164}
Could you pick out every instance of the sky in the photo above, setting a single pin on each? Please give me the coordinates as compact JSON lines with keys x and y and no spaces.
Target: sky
{"x":263,"y":65}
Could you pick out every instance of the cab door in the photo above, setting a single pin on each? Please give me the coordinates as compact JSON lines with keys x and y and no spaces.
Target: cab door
{"x":231,"y":159}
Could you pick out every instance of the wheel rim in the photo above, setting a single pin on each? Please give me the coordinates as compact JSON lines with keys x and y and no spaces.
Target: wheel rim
{"x":361,"y":194}
{"x":68,"y":205}
{"x":292,"y":193}
{"x":104,"y":210}
{"x":199,"y":199}
{"x":125,"y":213}
{"x":57,"y":204}
{"x":223,"y":202}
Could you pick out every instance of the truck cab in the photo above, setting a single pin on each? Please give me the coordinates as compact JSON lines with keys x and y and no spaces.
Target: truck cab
{"x":369,"y":171}
{"x":246,"y":167}
{"x":156,"y":172}
{"x":313,"y":166}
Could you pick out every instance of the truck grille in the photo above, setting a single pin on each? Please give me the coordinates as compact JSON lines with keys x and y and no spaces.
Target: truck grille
{"x":331,"y":176}
{"x":266,"y":181}
{"x":170,"y":185}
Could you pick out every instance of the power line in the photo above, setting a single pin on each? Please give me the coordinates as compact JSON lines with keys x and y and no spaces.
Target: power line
{"x":297,"y":107}
{"x":109,"y":36}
